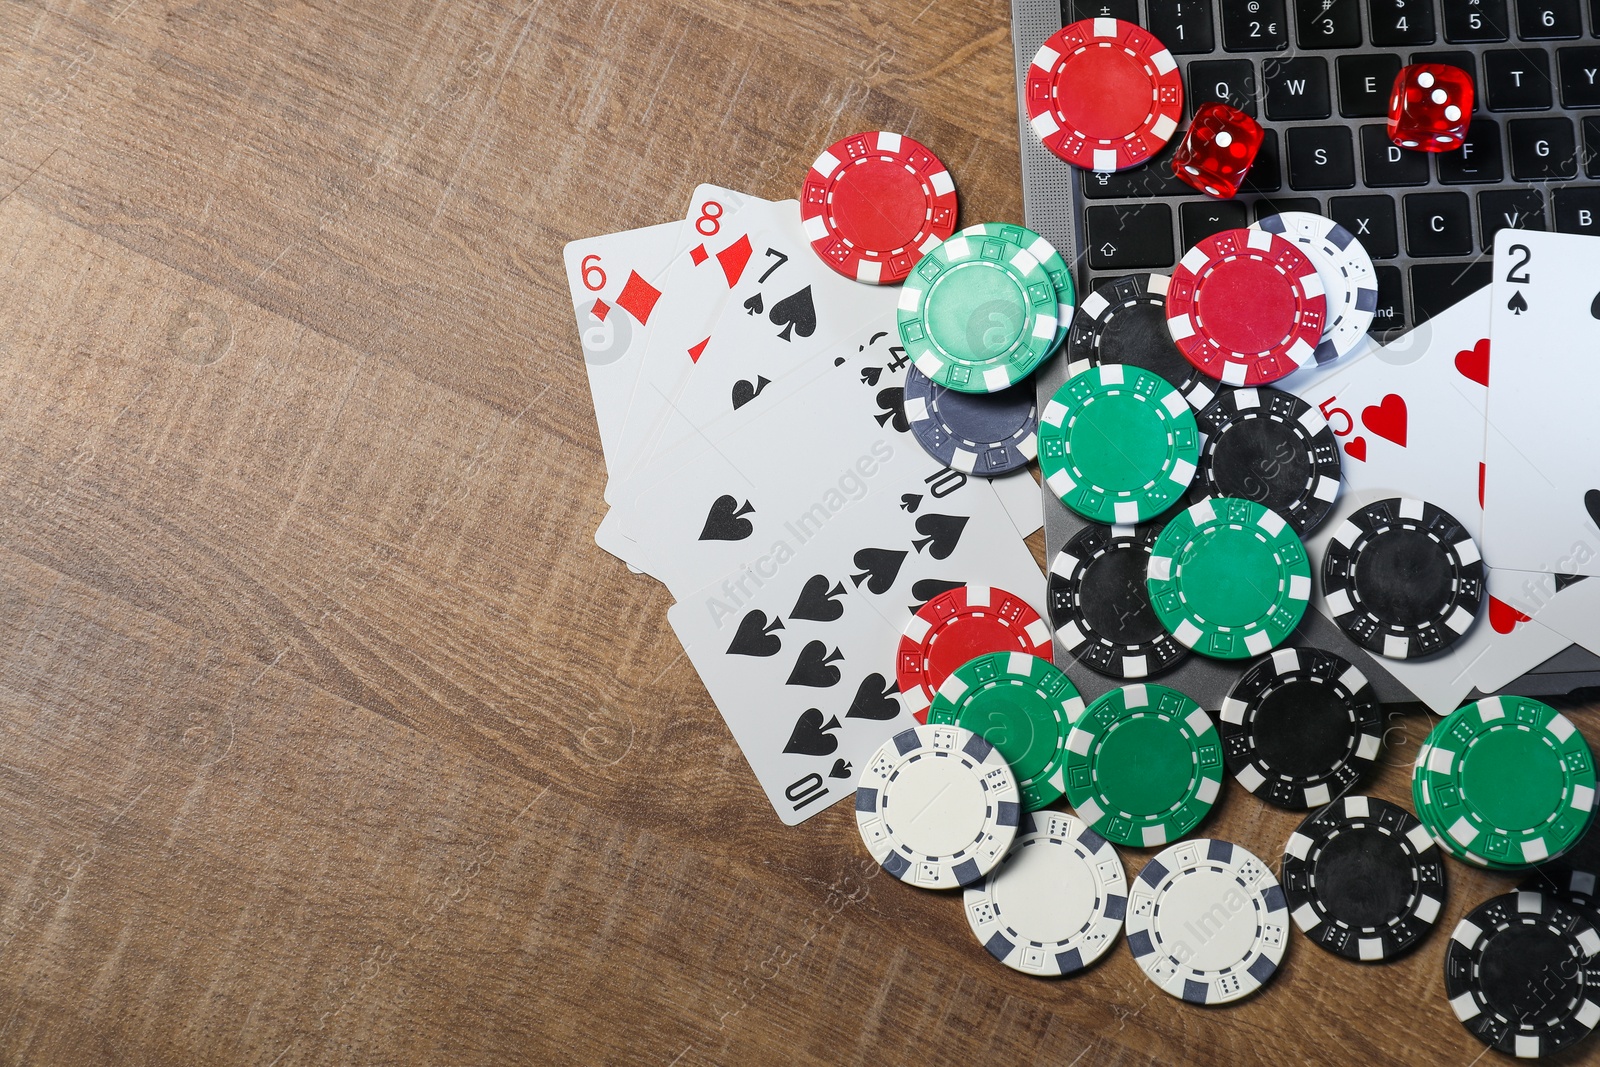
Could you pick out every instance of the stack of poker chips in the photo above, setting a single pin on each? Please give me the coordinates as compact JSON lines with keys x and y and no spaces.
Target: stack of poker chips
{"x":1505,"y":783}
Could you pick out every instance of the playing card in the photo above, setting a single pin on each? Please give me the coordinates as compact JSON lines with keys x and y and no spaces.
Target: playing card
{"x":785,"y":308}
{"x":1541,"y":488}
{"x":830,"y":436}
{"x":717,"y":264}
{"x":797,"y":650}
{"x":612,"y":281}
{"x":1567,"y":603}
{"x":1409,"y":416}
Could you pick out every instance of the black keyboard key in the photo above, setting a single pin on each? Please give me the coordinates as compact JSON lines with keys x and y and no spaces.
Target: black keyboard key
{"x":1397,"y":23}
{"x":1474,"y":21}
{"x":1128,"y":236}
{"x":1390,"y":314}
{"x":1549,"y":20}
{"x":1254,"y":25}
{"x":1154,"y":178}
{"x":1509,"y":209}
{"x":1517,"y":79}
{"x":1296,"y":88}
{"x":1277,"y":206}
{"x":1577,"y":210}
{"x":1591,"y":145}
{"x":1199,"y":219}
{"x":1542,"y":149}
{"x":1580,"y":76}
{"x":1328,"y":23}
{"x":1365,"y":82}
{"x":1320,"y":157}
{"x":1126,"y":10}
{"x":1462,"y":59}
{"x":1228,"y":81}
{"x":1371,"y":220}
{"x":1184,"y":26}
{"x":1477,"y":160}
{"x":1438,"y":224}
{"x":1266,"y":173}
{"x":1436,"y":287}
{"x":1385,"y":164}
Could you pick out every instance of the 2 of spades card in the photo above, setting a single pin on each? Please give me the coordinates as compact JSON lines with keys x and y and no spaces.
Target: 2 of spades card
{"x":797,"y":648}
{"x":1542,"y":482}
{"x":820,"y":439}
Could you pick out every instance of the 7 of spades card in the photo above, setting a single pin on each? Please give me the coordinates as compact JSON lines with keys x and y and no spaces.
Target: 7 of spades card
{"x":822,"y":439}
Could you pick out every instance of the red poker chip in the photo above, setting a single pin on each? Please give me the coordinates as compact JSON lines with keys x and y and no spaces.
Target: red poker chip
{"x":1246,"y":307}
{"x":1104,"y":94}
{"x":962,"y":625}
{"x":874,"y":203}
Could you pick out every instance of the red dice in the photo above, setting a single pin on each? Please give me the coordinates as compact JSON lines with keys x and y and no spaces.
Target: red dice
{"x":1431,"y":107}
{"x":1216,"y":152}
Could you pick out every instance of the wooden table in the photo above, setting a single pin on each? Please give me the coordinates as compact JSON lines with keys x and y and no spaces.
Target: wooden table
{"x":329,"y":735}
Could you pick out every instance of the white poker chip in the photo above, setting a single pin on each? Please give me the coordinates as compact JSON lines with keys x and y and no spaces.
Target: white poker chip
{"x":1055,"y":905}
{"x":937,"y":806}
{"x":1207,"y":921}
{"x":1348,"y":278}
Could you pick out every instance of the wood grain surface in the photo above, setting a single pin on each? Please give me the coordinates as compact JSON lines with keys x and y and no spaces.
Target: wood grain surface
{"x":329,"y":736}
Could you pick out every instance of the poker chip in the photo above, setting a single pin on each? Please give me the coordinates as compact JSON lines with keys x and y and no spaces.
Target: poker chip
{"x":937,"y":806}
{"x":979,"y":433}
{"x":1100,"y":605}
{"x":1581,"y":887}
{"x":1508,"y":779}
{"x":1104,"y":94}
{"x":1207,"y":922}
{"x":1403,"y":578}
{"x":1022,"y":705}
{"x":977,"y":314}
{"x":1273,"y":448}
{"x":1117,"y":444}
{"x":1144,"y":765}
{"x":1348,"y":280}
{"x":1049,"y":259}
{"x":1228,"y":578}
{"x":1125,"y":321}
{"x":959,"y":625}
{"x":1055,"y":904}
{"x":1363,"y":879}
{"x":1435,"y":824}
{"x":1522,"y":973}
{"x":1246,"y":307}
{"x":874,"y":203}
{"x":1300,"y":727}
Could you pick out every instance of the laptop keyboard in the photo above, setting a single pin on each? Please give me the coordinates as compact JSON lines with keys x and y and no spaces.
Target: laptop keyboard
{"x":1317,"y":74}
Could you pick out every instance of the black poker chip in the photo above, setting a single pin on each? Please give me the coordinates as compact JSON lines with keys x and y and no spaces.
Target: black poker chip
{"x":1300,"y":727}
{"x":1125,"y":321}
{"x":1271,"y":447}
{"x":1580,"y":886}
{"x":1522,"y":973}
{"x":1100,"y":603}
{"x":1403,"y":578}
{"x":1364,"y":879}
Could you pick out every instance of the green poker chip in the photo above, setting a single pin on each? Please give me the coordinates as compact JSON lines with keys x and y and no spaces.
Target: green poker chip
{"x":1228,"y":578}
{"x":1022,"y":705}
{"x":1118,"y":444}
{"x":1056,"y":267}
{"x":1507,"y":782}
{"x":1144,"y":765}
{"x":977,"y":314}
